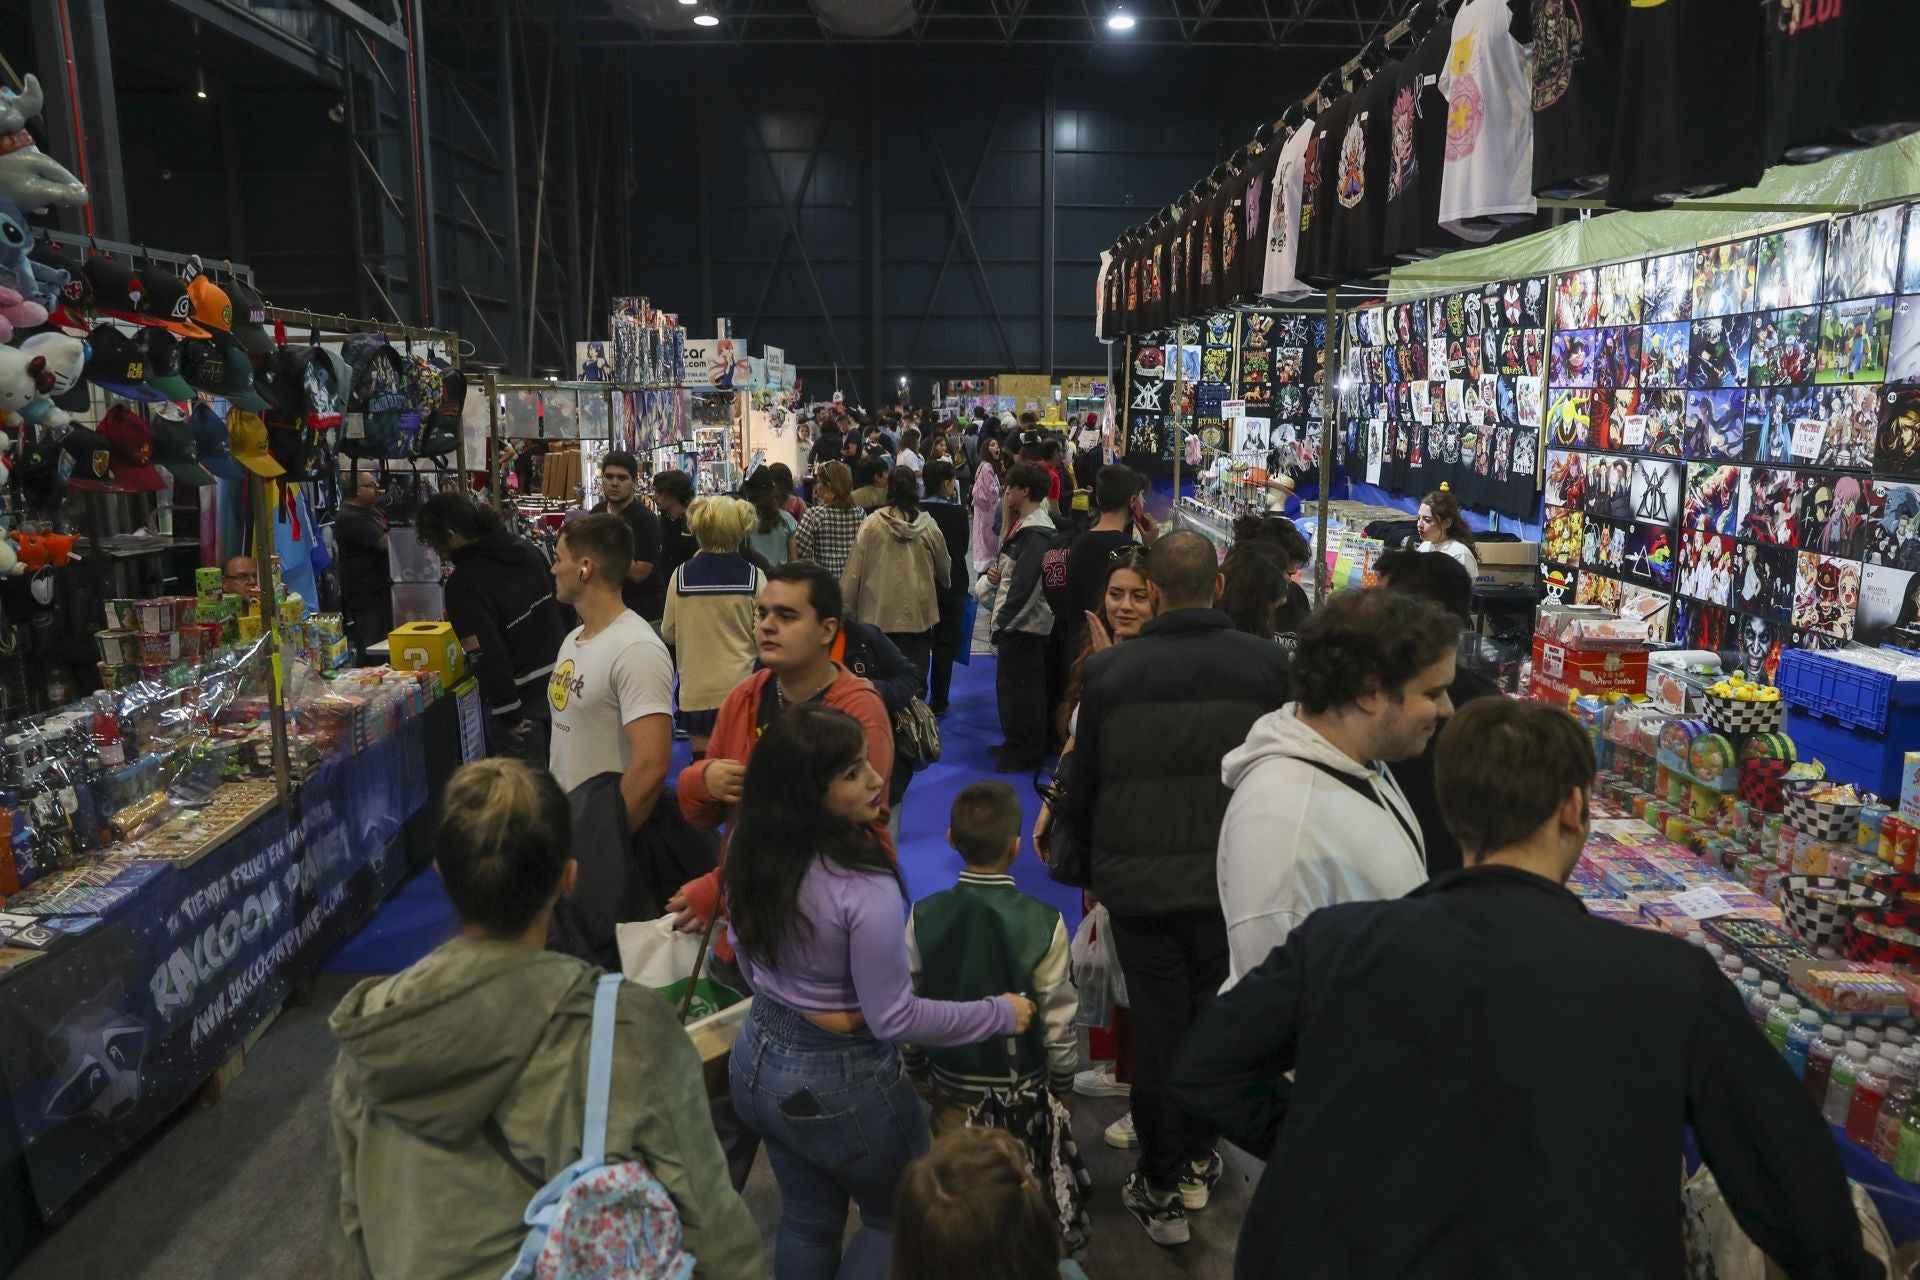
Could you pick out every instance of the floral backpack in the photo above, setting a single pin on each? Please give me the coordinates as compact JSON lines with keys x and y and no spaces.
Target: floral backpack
{"x":602,"y":1220}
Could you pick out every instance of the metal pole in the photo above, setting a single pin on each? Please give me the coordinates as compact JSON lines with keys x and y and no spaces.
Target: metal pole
{"x":1173,"y":416}
{"x":510,"y":177}
{"x":493,"y":435}
{"x":270,"y":616}
{"x":539,"y":206}
{"x":1329,"y":433}
{"x":576,"y":326}
{"x":1048,"y":231}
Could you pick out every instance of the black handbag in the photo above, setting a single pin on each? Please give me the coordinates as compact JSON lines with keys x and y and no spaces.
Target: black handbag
{"x":1068,"y":862}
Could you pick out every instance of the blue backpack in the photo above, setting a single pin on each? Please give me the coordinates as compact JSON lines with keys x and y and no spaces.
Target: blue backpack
{"x":601,"y":1220}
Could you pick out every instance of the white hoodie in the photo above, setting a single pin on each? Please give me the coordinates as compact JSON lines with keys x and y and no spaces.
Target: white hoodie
{"x":1296,"y":839}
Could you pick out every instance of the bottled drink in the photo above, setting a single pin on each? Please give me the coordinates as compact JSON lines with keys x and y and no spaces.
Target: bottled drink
{"x":1846,"y":1072}
{"x":1869,"y":1095}
{"x":1867,"y":1036}
{"x":1749,"y":984}
{"x":1886,"y":1133}
{"x":1730,"y":966}
{"x":1896,"y":1036}
{"x":105,"y":732}
{"x":1906,"y":1065}
{"x":1820,"y":1057}
{"x":1761,"y":1005}
{"x":1717,"y":951}
{"x":1783,"y":1015}
{"x":1906,"y":1157}
{"x":1800,"y":1037}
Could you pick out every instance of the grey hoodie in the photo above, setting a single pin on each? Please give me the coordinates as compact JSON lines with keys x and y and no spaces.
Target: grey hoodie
{"x":1296,"y":839}
{"x":893,"y":576}
{"x":497,"y":1031}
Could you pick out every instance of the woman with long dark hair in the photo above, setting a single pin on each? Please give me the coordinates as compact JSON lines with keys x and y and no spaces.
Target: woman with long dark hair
{"x":771,"y":538}
{"x":986,"y":503}
{"x":815,"y":906}
{"x":1442,"y":528}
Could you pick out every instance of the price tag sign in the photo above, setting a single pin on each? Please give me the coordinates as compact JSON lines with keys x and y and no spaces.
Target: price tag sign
{"x":1231,"y":409}
{"x":1701,"y":904}
{"x":1633,"y":430}
{"x":1809,"y":434}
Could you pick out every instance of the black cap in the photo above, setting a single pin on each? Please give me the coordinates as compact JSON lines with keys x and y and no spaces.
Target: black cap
{"x":239,"y":390}
{"x":163,"y":364}
{"x":164,"y":301}
{"x":204,"y":366}
{"x":78,"y":292}
{"x":116,"y":289}
{"x":174,"y":449}
{"x":249,"y":318}
{"x":119,"y":364}
{"x":39,"y":473}
{"x":92,"y":456}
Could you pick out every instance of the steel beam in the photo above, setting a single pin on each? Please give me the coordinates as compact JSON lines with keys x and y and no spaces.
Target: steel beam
{"x":243,"y":25}
{"x":509,"y":145}
{"x":876,"y":219}
{"x":373,"y":26}
{"x":93,"y":67}
{"x":1048,"y":232}
{"x":422,"y":133}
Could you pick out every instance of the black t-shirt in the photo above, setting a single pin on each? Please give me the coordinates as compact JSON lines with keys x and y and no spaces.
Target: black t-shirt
{"x":1364,"y":226}
{"x":1415,"y":777}
{"x":1417,"y":152}
{"x":1087,"y":571}
{"x":1316,"y":264}
{"x":1576,"y":76}
{"x":677,"y":546}
{"x":1255,"y":208}
{"x":648,"y":597}
{"x":364,"y":576}
{"x":1839,"y":77}
{"x":1691,"y":117}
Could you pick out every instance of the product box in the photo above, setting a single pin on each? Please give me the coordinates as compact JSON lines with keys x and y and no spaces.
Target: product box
{"x":1910,"y":787}
{"x":1560,"y":673}
{"x":1507,"y":564}
{"x":428,"y":646}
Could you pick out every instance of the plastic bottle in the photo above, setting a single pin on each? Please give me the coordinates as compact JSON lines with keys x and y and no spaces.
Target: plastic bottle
{"x":1800,"y":1037}
{"x":1749,"y":984}
{"x":1846,"y":1073}
{"x":105,"y":732}
{"x":1783,"y":1015}
{"x":1906,"y":1065}
{"x":1906,"y":1156}
{"x":1730,"y":966}
{"x":1760,"y":1006}
{"x":1868,"y":1036}
{"x":1870,"y":1089}
{"x":1896,"y":1036}
{"x":1886,"y":1133}
{"x":1820,"y":1057}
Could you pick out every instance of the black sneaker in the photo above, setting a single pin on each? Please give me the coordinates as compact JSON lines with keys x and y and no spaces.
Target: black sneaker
{"x":1196,"y":1184}
{"x":1165,"y":1219}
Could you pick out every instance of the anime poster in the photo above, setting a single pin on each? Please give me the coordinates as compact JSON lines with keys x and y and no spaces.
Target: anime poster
{"x":1786,"y":347}
{"x":590,"y":363}
{"x":1616,"y":357}
{"x":1609,"y":491}
{"x":1852,"y":416}
{"x":1667,"y":289}
{"x":1700,"y":626}
{"x":1863,"y":255}
{"x":1889,"y":610}
{"x":1566,"y":479}
{"x":1576,"y":300}
{"x":1599,"y":590}
{"x":1903,"y":347}
{"x":1789,"y":267}
{"x":1666,"y":351}
{"x":1771,"y":418}
{"x":1715,"y":424}
{"x":1665,"y":413}
{"x":1825,"y":595}
{"x":1656,"y":491}
{"x":1567,"y":419}
{"x":1892,"y":535}
{"x":1706,"y":567}
{"x":1896,"y":445}
{"x":1561,"y":535}
{"x":1769,"y":506}
{"x":1723,"y":279}
{"x":1603,"y":545}
{"x":1764,"y":579}
{"x":1712,"y":498}
{"x":1720,"y":353}
{"x":1853,"y":340}
{"x":1619,"y":287}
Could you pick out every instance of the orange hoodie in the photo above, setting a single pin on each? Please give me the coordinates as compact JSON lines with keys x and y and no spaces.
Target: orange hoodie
{"x":734,"y":734}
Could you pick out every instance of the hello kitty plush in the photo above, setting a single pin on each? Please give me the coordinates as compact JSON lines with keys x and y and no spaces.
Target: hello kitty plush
{"x":24,"y":378}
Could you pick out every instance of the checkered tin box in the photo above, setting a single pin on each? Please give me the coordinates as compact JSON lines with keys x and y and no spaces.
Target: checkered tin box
{"x":1822,"y":819}
{"x":1763,"y":783}
{"x":1732,"y":715}
{"x":1819,"y":921}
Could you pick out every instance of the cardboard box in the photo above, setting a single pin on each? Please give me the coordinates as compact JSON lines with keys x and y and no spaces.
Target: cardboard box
{"x":428,"y":646}
{"x":1508,"y":564}
{"x":1561,"y":674}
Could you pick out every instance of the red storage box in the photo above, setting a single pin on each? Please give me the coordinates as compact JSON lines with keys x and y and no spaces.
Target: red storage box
{"x":1560,"y":673}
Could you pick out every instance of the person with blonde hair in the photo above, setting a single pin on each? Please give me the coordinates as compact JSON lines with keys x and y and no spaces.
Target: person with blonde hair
{"x":830,"y":525}
{"x":462,"y":1080}
{"x":970,"y":1208}
{"x":710,"y":613}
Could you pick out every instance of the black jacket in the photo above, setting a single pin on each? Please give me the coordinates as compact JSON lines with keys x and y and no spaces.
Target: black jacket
{"x":951,"y":519}
{"x":1488,"y":1082}
{"x":500,"y":594}
{"x":1156,"y":715}
{"x":1415,"y":777}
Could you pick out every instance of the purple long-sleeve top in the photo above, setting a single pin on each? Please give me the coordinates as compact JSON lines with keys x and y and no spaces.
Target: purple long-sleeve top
{"x":851,"y":953}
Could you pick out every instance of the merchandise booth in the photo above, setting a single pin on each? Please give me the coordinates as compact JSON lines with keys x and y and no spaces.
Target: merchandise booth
{"x":1687,"y":434}
{"x":200,"y":794}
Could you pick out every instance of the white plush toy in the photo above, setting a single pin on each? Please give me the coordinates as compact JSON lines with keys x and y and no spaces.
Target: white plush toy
{"x":66,"y":358}
{"x":24,"y":378}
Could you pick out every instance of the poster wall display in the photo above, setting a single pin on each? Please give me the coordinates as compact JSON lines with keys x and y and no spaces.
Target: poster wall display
{"x":1281,"y":376}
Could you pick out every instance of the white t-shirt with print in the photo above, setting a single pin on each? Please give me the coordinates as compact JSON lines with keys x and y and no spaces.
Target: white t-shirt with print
{"x":1489,"y":167}
{"x":1277,"y":278}
{"x":600,"y":686}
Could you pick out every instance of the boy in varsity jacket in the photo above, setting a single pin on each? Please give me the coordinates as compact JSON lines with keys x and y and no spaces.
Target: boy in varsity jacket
{"x":963,"y":941}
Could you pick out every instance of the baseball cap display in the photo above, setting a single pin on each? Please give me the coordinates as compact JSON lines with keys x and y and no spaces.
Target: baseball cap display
{"x":249,"y":318}
{"x":130,"y":445}
{"x":210,"y":437}
{"x":163,"y":364}
{"x":237,"y":388}
{"x":164,"y":301}
{"x":116,"y":289}
{"x":203,"y":366}
{"x":174,"y":449}
{"x":119,"y":364}
{"x":38,"y":472}
{"x":212,"y":308}
{"x":92,"y":458}
{"x":247,"y":433}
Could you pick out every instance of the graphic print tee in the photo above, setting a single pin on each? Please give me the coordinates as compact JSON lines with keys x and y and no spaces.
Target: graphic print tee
{"x":1318,"y":200}
{"x":1840,"y":76}
{"x":600,"y":686}
{"x":1277,"y":278}
{"x":1488,"y":180}
{"x":1417,"y":152}
{"x":1690,"y":119}
{"x":1575,"y":62}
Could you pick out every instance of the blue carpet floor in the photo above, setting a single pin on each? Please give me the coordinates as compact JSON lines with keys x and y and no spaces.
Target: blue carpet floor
{"x":418,"y":917}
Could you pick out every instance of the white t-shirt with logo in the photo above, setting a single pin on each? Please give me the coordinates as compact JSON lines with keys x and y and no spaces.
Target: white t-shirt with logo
{"x":1489,"y":167}
{"x":1277,"y":279}
{"x":600,"y":686}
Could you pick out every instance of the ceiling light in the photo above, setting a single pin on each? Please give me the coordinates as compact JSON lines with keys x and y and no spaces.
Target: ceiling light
{"x":1120,"y":20}
{"x":705,"y":20}
{"x":689,"y":3}
{"x":200,"y":84}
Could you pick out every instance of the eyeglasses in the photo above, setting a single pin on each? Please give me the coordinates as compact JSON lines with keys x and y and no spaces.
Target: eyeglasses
{"x":1137,"y":550}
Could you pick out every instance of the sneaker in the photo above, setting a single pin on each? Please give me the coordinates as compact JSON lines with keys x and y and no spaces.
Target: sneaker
{"x":1099,"y":1083}
{"x":1121,"y":1133}
{"x":1197,"y":1187}
{"x":1164,"y":1219}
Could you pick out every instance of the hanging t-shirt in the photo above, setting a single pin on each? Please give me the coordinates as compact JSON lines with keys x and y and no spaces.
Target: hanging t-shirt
{"x":1575,"y":65}
{"x":1417,"y":152}
{"x":1839,"y":76}
{"x":1365,"y":237}
{"x":1229,"y":231}
{"x":1488,"y":179}
{"x":1102,"y":317}
{"x":1206,"y":217}
{"x":1315,"y":264}
{"x":1277,"y":278}
{"x":1690,"y":120}
{"x":1253,"y":220}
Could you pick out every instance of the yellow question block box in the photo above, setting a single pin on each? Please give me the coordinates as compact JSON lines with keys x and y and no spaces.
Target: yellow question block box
{"x":428,"y":646}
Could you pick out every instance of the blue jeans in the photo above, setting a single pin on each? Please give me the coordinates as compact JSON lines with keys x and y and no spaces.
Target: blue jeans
{"x":840,"y":1122}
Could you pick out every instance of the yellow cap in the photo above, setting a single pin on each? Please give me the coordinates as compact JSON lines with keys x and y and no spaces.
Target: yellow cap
{"x":248,"y":434}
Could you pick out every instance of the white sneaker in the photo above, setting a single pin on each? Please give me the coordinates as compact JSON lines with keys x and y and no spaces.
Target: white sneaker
{"x":1121,"y":1133}
{"x":1099,"y":1083}
{"x":1196,"y":1185}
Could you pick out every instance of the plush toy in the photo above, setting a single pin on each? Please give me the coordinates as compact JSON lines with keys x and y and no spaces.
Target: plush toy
{"x":24,"y":378}
{"x":59,"y":547}
{"x":34,"y":551}
{"x":17,"y":312}
{"x":10,"y":560}
{"x":29,"y":177}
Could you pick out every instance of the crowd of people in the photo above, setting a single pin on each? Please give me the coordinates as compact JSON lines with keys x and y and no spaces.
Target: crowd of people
{"x":1330,"y":861}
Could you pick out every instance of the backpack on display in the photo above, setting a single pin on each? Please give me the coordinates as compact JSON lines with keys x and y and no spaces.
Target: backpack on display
{"x":378,"y":392}
{"x":440,"y":435}
{"x":598,"y":1219}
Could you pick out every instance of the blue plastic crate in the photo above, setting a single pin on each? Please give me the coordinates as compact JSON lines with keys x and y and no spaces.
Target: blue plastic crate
{"x":1855,"y":696}
{"x":1869,"y":761}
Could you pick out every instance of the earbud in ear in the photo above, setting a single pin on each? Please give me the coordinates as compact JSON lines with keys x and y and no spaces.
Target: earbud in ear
{"x":583,"y":575}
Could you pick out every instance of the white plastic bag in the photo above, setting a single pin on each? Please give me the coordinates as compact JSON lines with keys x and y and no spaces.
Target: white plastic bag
{"x":655,"y":954}
{"x":1096,"y":971}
